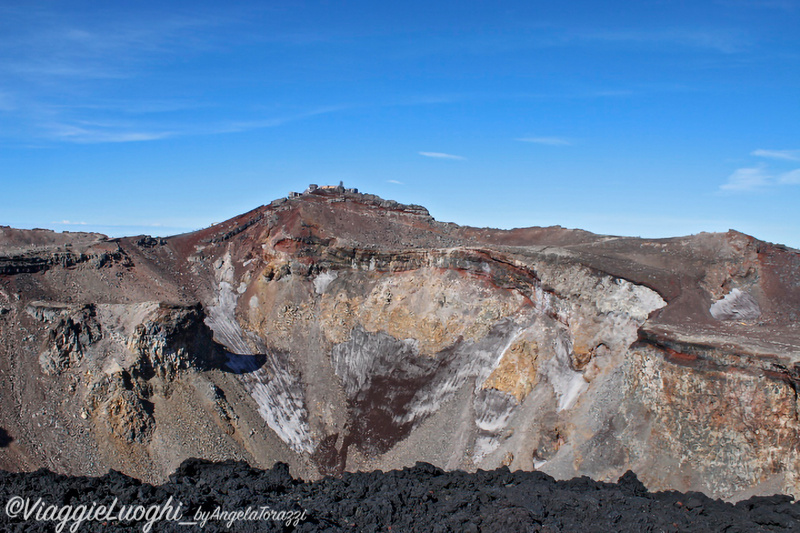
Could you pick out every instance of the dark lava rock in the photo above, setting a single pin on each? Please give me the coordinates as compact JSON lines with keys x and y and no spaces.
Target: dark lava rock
{"x":232,"y":496}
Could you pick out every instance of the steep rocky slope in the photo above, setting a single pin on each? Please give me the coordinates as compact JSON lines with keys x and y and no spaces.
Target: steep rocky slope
{"x":337,"y":331}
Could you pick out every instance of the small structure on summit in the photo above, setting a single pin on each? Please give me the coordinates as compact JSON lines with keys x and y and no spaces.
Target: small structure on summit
{"x":314,"y":188}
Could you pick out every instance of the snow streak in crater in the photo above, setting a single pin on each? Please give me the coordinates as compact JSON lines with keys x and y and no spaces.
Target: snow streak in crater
{"x":266,"y":375}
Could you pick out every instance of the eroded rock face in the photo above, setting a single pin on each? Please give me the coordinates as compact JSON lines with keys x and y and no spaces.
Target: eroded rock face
{"x":721,"y":429}
{"x":129,"y":417}
{"x":339,"y":332}
{"x":144,"y":360}
{"x":172,"y":338}
{"x":72,"y":331}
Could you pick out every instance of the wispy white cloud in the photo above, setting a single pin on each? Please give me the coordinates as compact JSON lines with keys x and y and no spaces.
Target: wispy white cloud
{"x":758,"y":178}
{"x":129,"y":106}
{"x":7,"y":102}
{"x":54,"y":58}
{"x":549,"y":141}
{"x":761,"y":176}
{"x":790,"y":178}
{"x":246,"y":125}
{"x":50,"y":48}
{"x":89,"y":135}
{"x":614,"y":93}
{"x":441,"y":155}
{"x":786,"y":5}
{"x":544,"y":35}
{"x":747,"y":179}
{"x":71,"y":223}
{"x":132,"y":128}
{"x":788,"y":155}
{"x":395,"y":182}
{"x":720,"y":40}
{"x":46,"y":70}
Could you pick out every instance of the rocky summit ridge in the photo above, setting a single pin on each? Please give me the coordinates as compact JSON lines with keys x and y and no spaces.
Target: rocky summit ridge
{"x":337,"y":331}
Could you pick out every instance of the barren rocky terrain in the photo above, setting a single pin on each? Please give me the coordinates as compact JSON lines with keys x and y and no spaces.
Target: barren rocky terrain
{"x":340,"y":332}
{"x":232,"y":496}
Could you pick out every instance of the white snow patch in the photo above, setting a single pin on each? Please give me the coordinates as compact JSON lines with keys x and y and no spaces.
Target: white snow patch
{"x":324,"y":279}
{"x":736,"y":305}
{"x":278,"y":394}
{"x":484,"y":445}
{"x":428,"y":400}
{"x":486,"y":371}
{"x":276,"y":390}
{"x":634,"y":300}
{"x":493,"y":408}
{"x":567,"y":383}
{"x":283,"y":411}
{"x":221,"y":317}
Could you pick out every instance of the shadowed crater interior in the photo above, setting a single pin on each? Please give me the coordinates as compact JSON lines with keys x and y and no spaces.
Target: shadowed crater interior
{"x":5,"y":438}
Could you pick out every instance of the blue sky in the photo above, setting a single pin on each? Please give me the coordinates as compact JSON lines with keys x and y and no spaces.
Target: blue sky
{"x":651,"y":118}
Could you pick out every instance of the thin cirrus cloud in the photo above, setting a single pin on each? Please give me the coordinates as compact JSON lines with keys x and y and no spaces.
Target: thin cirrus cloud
{"x":119,"y":131}
{"x":94,"y":135}
{"x":6,"y":102}
{"x":395,"y":182}
{"x":758,"y":178}
{"x":747,"y":179}
{"x":234,"y":127}
{"x":790,"y":178}
{"x":786,"y":5}
{"x":719,"y":40}
{"x":710,"y":39}
{"x":787,"y":155}
{"x":59,"y":50}
{"x":55,"y":56}
{"x":442,"y":155}
{"x":547,"y":141}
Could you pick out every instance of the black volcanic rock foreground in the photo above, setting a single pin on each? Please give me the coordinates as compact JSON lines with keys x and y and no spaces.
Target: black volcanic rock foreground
{"x":420,"y":498}
{"x":339,"y":332}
